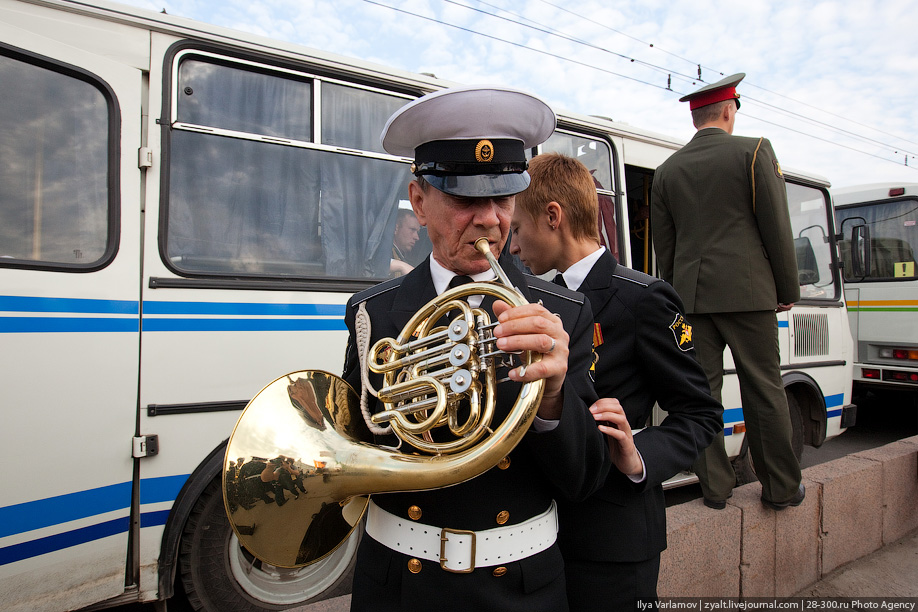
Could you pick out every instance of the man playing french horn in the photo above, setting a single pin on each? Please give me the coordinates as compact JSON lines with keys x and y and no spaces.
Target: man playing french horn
{"x":487,"y":542}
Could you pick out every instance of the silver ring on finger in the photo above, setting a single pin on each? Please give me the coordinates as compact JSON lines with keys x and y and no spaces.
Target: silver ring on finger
{"x":552,"y":346}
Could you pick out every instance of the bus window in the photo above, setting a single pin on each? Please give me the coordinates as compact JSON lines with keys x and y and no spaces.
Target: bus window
{"x":354,"y":118}
{"x":809,"y":215}
{"x":253,"y":192}
{"x":893,"y":229}
{"x":597,"y":157}
{"x":54,"y":168}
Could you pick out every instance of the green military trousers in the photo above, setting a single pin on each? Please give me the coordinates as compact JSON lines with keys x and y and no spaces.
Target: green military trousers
{"x":753,"y":340}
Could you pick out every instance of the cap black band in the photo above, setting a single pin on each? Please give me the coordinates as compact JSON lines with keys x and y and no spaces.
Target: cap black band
{"x":459,"y":168}
{"x":468,"y":157}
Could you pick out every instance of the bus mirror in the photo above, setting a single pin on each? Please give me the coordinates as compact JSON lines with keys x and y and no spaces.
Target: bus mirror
{"x":860,"y":252}
{"x":807,"y":270}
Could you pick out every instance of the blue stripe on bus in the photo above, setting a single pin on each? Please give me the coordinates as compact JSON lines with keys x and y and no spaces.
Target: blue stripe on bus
{"x":15,"y":303}
{"x":37,"y":325}
{"x":298,"y":317}
{"x":782,"y":323}
{"x":735,"y":415}
{"x":20,"y":518}
{"x":60,"y":541}
{"x":40,"y":325}
{"x":25,"y":517}
{"x":164,"y":488}
{"x":40,"y":513}
{"x":42,"y":546}
{"x":210,"y":325}
{"x":242,"y":308}
{"x":154,"y":519}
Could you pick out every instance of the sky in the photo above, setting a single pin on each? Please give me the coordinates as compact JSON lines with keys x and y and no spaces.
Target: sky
{"x":832,"y":84}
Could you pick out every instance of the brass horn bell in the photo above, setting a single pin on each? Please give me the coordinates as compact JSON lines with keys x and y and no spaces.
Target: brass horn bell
{"x":301,"y":463}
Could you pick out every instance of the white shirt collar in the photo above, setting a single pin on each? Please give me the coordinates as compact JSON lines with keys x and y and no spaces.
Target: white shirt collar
{"x":577,"y":273}
{"x":441,"y":277}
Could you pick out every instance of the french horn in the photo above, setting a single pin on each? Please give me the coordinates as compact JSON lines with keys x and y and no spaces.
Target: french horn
{"x":301,"y":464}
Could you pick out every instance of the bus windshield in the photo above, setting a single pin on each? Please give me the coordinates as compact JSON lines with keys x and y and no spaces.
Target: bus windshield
{"x":893,"y":237}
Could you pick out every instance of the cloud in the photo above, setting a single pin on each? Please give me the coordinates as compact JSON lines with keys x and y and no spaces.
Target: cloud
{"x":843,"y":64}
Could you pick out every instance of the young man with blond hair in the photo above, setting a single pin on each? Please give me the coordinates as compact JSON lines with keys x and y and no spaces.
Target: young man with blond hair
{"x":642,"y":354}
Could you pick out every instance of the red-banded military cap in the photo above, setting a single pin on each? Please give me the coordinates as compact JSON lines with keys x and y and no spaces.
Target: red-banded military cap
{"x":470,"y":141}
{"x":725,"y":89}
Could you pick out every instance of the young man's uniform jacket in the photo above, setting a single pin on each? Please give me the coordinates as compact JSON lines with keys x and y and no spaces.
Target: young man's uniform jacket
{"x":569,"y":461}
{"x":644,"y":355}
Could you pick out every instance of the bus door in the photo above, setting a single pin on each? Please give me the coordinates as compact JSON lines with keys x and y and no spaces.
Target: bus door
{"x":816,"y":359}
{"x":69,"y":285}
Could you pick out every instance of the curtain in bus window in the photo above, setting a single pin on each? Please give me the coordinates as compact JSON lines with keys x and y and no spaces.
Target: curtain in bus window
{"x":355,"y":118}
{"x":53,"y":166}
{"x":359,"y":207}
{"x":244,"y":100}
{"x":241,"y":206}
{"x":245,"y":207}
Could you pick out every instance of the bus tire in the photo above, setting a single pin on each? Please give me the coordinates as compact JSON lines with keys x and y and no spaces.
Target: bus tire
{"x":743,"y":464}
{"x":218,"y":575}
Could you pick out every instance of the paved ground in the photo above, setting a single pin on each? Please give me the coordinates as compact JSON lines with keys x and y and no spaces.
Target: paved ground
{"x":891,"y":571}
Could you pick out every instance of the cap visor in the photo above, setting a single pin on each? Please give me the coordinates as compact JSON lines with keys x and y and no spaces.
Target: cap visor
{"x":480,"y":185}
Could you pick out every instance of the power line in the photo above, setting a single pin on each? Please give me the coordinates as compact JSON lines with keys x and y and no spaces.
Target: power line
{"x":619,"y":32}
{"x":557,"y":33}
{"x":719,"y":73}
{"x":515,"y":44}
{"x":667,"y":70}
{"x":794,"y":115}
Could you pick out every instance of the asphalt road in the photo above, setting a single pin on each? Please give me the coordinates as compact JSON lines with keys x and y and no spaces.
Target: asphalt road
{"x":882,"y":417}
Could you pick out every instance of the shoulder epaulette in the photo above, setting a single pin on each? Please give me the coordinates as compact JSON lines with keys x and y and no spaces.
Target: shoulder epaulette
{"x":376,"y":290}
{"x":536,"y":284}
{"x":633,"y":276}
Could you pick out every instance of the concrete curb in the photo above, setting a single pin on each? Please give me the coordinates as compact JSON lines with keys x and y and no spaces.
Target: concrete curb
{"x":854,"y":506}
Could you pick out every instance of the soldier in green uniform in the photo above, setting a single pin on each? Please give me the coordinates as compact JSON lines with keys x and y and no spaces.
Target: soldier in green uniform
{"x":722,"y":233}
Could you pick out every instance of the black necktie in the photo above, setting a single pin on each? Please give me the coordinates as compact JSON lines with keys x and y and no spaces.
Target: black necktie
{"x":559,"y":280}
{"x":456,"y":281}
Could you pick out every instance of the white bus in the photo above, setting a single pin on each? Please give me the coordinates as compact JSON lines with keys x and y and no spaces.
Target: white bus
{"x":184,"y":211}
{"x":881,"y":290}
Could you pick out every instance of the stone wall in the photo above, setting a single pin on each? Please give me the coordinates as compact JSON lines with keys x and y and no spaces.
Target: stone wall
{"x":853,"y":506}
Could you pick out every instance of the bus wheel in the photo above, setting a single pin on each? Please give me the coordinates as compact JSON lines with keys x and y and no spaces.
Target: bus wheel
{"x":743,"y":465}
{"x":217,"y":574}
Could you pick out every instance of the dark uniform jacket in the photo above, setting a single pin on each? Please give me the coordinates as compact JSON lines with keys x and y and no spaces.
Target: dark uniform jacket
{"x":570,"y":461}
{"x":721,"y":227}
{"x":644,"y":355}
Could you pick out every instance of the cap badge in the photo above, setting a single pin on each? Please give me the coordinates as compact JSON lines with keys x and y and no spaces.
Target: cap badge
{"x":484,"y":151}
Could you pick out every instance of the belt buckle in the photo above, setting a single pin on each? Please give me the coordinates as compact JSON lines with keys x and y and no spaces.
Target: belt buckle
{"x":444,"y":540}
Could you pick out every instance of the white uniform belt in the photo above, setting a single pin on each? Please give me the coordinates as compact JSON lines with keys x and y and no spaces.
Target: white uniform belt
{"x":459,"y":550}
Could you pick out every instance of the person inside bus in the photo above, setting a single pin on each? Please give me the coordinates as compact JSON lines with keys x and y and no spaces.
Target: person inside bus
{"x":723,"y":237}
{"x":406,"y":235}
{"x":642,"y":355}
{"x":469,"y":145}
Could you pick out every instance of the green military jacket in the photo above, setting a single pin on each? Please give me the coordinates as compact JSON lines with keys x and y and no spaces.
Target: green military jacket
{"x":721,"y":227}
